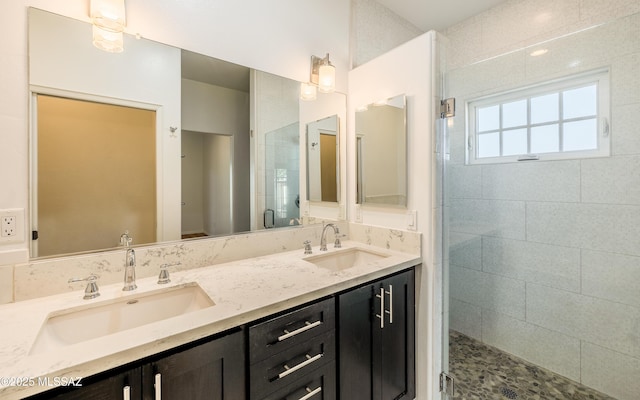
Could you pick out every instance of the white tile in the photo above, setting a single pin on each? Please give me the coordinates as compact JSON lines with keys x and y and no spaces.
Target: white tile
{"x":513,"y":22}
{"x":465,"y":42}
{"x":625,"y":80}
{"x":6,"y":284}
{"x":488,"y":291}
{"x":612,"y":228}
{"x":465,"y":318}
{"x":612,"y":180}
{"x":538,"y":181}
{"x":497,"y":218}
{"x":609,"y":324}
{"x":546,"y":348}
{"x":625,"y":129}
{"x":466,"y":181}
{"x":592,"y":48}
{"x":545,"y":264}
{"x":611,"y":276}
{"x":610,"y":372}
{"x":603,"y":10}
{"x":486,"y":77}
{"x":465,"y":250}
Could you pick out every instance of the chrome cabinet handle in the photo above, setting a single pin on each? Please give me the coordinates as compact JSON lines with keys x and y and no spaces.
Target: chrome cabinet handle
{"x":290,"y":370}
{"x":158,"y":386}
{"x":126,"y":393}
{"x":390,"y":310}
{"x":308,"y":325}
{"x":382,"y":310}
{"x":311,"y":393}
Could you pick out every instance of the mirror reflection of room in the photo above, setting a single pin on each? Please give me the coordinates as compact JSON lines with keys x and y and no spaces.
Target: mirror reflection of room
{"x":381,"y":152}
{"x":322,"y":159}
{"x":225,"y":139}
{"x":87,"y":153}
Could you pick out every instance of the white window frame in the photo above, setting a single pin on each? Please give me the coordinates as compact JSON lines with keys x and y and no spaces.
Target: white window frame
{"x":599,"y":77}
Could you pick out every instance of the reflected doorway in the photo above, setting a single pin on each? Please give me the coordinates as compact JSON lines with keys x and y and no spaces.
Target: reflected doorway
{"x":95,"y":172}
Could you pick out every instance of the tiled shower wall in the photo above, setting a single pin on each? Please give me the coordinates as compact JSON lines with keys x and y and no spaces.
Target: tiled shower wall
{"x":545,"y":256}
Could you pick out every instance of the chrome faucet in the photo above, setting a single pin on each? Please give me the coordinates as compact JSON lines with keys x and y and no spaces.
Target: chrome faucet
{"x":91,"y":291}
{"x":129,"y":263}
{"x":323,"y":237}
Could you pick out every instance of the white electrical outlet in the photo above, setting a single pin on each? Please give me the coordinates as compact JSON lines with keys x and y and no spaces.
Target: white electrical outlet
{"x":12,"y":225}
{"x":8,"y":226}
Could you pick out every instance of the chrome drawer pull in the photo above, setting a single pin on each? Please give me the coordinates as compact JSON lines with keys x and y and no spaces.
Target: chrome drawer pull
{"x":311,"y":393}
{"x":126,"y":393}
{"x":158,"y":386}
{"x":308,"y":325}
{"x":303,"y":364}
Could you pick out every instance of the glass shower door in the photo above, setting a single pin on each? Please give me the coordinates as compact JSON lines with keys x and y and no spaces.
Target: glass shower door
{"x":282,"y":177}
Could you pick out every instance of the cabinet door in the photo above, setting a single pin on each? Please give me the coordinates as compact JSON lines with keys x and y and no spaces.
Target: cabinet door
{"x":396,"y":341}
{"x":110,"y":386}
{"x":377,"y":340}
{"x":355,"y":343}
{"x":211,"y":371}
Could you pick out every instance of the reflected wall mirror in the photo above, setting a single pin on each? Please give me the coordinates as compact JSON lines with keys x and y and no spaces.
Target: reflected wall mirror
{"x":381,"y":153}
{"x":323,"y":169}
{"x":224,"y":143}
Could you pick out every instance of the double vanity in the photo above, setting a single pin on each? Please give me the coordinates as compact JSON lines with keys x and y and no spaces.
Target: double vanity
{"x":331,"y":324}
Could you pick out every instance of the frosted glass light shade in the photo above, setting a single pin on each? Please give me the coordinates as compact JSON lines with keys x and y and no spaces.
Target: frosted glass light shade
{"x":107,"y":40}
{"x":108,"y":14}
{"x":307,"y":91}
{"x":327,"y":78}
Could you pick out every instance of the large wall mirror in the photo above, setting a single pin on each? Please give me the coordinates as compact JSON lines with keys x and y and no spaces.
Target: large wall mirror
{"x":381,"y":153}
{"x":158,"y":141}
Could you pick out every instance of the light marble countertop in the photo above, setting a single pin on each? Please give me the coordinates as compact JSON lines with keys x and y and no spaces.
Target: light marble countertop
{"x":243,"y":291}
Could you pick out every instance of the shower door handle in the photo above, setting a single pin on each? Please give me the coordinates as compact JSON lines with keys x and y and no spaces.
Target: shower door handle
{"x":273,"y":218}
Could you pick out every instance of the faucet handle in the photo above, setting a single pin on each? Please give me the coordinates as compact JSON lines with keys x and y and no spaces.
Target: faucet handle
{"x":163,"y":278}
{"x":125,"y":239}
{"x":337,"y":244}
{"x":91,"y":291}
{"x":307,"y":247}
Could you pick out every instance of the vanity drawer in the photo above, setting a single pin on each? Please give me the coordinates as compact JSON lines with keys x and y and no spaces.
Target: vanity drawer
{"x":317,"y":385}
{"x":278,"y":334}
{"x":292,"y":364}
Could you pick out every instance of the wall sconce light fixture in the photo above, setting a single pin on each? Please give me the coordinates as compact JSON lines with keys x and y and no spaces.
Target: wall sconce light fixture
{"x":108,"y":19}
{"x":308,"y":91}
{"x":322,"y":78}
{"x":323,"y":74}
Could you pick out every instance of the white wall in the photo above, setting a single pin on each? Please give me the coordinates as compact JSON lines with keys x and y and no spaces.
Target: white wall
{"x":406,"y":70}
{"x":325,"y":105}
{"x":263,"y":35}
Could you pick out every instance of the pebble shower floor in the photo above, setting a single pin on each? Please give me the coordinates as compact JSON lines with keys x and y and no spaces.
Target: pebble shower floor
{"x":483,"y":372}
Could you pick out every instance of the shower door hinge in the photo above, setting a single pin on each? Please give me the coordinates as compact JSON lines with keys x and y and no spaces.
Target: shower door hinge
{"x":448,"y":107}
{"x":446,"y":384}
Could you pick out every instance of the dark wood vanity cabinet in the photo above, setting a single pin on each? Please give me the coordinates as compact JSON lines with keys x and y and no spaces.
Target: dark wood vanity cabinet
{"x":376,"y":340}
{"x":208,"y":369}
{"x":355,"y":345}
{"x":292,"y":356}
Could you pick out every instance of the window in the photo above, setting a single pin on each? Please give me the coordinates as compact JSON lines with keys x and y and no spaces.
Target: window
{"x":567,"y":118}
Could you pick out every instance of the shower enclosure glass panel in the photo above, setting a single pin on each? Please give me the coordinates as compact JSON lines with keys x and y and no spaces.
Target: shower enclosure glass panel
{"x":543,"y":257}
{"x":282,"y":176}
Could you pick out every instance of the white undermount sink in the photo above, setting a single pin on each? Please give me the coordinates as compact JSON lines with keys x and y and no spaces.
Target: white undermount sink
{"x":71,"y":326}
{"x":344,"y":259}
